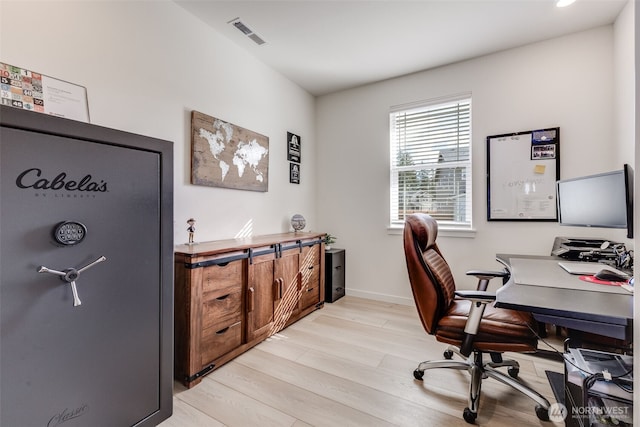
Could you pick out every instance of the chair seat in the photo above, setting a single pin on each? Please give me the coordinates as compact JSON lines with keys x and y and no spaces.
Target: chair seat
{"x":500,"y":329}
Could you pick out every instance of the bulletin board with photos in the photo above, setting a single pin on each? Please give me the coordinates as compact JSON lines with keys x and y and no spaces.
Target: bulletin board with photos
{"x":522,"y":170}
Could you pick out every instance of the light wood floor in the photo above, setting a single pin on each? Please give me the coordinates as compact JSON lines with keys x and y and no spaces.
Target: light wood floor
{"x":351,"y":364}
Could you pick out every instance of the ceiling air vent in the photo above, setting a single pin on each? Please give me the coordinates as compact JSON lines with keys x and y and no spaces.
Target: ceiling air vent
{"x":246,"y":31}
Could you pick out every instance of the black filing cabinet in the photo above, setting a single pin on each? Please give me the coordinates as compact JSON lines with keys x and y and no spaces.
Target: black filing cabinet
{"x":334,"y":275}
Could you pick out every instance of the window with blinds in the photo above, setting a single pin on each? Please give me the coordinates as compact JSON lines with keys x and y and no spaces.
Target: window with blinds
{"x":431,"y":161}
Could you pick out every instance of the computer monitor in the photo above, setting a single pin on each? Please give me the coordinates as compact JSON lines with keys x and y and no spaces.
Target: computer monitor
{"x":603,"y":200}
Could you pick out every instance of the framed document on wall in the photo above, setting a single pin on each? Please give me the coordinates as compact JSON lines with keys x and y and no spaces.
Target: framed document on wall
{"x":522,"y":170}
{"x":28,"y":90}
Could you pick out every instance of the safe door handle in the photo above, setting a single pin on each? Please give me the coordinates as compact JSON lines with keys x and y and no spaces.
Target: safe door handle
{"x":88,"y":266}
{"x":70,"y":275}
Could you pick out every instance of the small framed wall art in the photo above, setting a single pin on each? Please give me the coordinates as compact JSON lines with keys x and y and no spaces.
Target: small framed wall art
{"x":293,"y":147}
{"x":294,"y":173}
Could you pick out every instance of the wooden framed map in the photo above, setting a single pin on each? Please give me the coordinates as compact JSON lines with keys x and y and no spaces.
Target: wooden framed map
{"x":226,"y":155}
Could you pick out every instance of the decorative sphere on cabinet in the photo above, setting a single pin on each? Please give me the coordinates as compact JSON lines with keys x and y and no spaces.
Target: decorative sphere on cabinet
{"x":298,"y":222}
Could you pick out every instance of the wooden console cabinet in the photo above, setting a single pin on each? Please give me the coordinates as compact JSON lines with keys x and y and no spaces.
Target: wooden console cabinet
{"x":232,"y":294}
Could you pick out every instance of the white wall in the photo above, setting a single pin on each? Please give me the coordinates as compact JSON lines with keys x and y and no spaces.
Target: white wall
{"x":565,"y":82}
{"x":146,"y":65}
{"x":624,"y":81}
{"x":635,"y":65}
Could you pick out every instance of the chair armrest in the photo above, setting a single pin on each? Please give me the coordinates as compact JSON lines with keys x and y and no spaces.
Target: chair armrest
{"x":484,"y":277}
{"x":477,"y":296}
{"x":487,"y":275}
{"x":479,"y":301}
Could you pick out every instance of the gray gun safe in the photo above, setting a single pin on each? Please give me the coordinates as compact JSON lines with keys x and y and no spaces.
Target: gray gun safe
{"x":86,"y":274}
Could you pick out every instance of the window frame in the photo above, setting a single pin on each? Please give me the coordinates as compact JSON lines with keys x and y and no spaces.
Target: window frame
{"x":453,"y":228}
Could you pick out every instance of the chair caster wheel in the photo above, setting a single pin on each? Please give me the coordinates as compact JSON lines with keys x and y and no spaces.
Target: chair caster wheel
{"x":542,"y":413}
{"x":448,"y":354}
{"x":418,"y":374}
{"x":513,"y":372}
{"x":469,"y":416}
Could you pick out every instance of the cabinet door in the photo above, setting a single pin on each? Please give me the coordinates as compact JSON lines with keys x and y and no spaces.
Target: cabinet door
{"x":261,"y":297}
{"x":280,"y":286}
{"x":288,"y":277}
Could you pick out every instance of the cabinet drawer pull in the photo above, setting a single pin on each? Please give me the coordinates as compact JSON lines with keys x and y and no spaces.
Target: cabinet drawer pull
{"x":223,"y":297}
{"x":278,"y":284}
{"x":311,"y":267}
{"x":338,"y":267}
{"x":222,"y":331}
{"x":250,"y":300}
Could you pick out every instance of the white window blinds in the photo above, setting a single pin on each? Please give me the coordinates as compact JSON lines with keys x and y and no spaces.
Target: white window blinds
{"x":431,"y":162}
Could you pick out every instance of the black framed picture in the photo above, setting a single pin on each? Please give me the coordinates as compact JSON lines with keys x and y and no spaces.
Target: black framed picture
{"x":294,"y":173}
{"x":293,"y":150}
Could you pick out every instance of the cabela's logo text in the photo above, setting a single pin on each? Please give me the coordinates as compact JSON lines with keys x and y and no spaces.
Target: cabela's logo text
{"x":32,"y":178}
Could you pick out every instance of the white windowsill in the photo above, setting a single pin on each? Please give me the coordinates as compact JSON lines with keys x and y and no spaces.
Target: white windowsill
{"x":442,"y":232}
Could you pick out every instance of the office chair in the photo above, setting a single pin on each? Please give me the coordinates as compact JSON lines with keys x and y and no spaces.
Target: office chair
{"x":466,"y":319}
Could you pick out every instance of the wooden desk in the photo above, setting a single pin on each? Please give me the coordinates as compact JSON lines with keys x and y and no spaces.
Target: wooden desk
{"x":540,"y":286}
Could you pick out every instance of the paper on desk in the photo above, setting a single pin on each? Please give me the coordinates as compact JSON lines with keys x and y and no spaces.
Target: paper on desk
{"x":547,"y":272}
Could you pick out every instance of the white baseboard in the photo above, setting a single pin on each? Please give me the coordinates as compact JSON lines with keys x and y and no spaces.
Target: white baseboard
{"x":379,"y":297}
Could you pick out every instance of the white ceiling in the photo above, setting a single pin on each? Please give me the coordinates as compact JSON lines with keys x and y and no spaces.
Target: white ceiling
{"x":326,"y":46}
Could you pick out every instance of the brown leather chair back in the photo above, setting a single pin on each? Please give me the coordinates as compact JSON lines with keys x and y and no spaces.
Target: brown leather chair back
{"x":431,"y":279}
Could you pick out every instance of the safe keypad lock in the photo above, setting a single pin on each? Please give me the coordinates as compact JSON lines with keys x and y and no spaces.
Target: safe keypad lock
{"x":69,"y":233}
{"x":70,"y":275}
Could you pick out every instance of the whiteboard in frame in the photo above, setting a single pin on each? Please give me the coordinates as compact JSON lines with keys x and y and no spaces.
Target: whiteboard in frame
{"x":522,"y":170}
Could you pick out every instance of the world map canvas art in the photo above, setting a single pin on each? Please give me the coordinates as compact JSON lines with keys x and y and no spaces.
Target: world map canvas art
{"x":226,"y":155}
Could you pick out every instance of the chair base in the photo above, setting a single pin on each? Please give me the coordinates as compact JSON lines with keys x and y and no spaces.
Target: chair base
{"x":480,"y":370}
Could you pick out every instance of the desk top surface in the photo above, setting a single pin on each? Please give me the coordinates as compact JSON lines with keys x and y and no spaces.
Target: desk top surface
{"x":548,"y":273}
{"x":539,"y":285}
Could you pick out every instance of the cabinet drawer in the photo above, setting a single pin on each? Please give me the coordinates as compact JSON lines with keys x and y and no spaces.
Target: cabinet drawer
{"x":310,"y":296}
{"x":311,"y":288}
{"x":310,"y":275}
{"x":222,"y":310}
{"x":221,"y":279}
{"x":337,"y":263}
{"x":216,"y":343}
